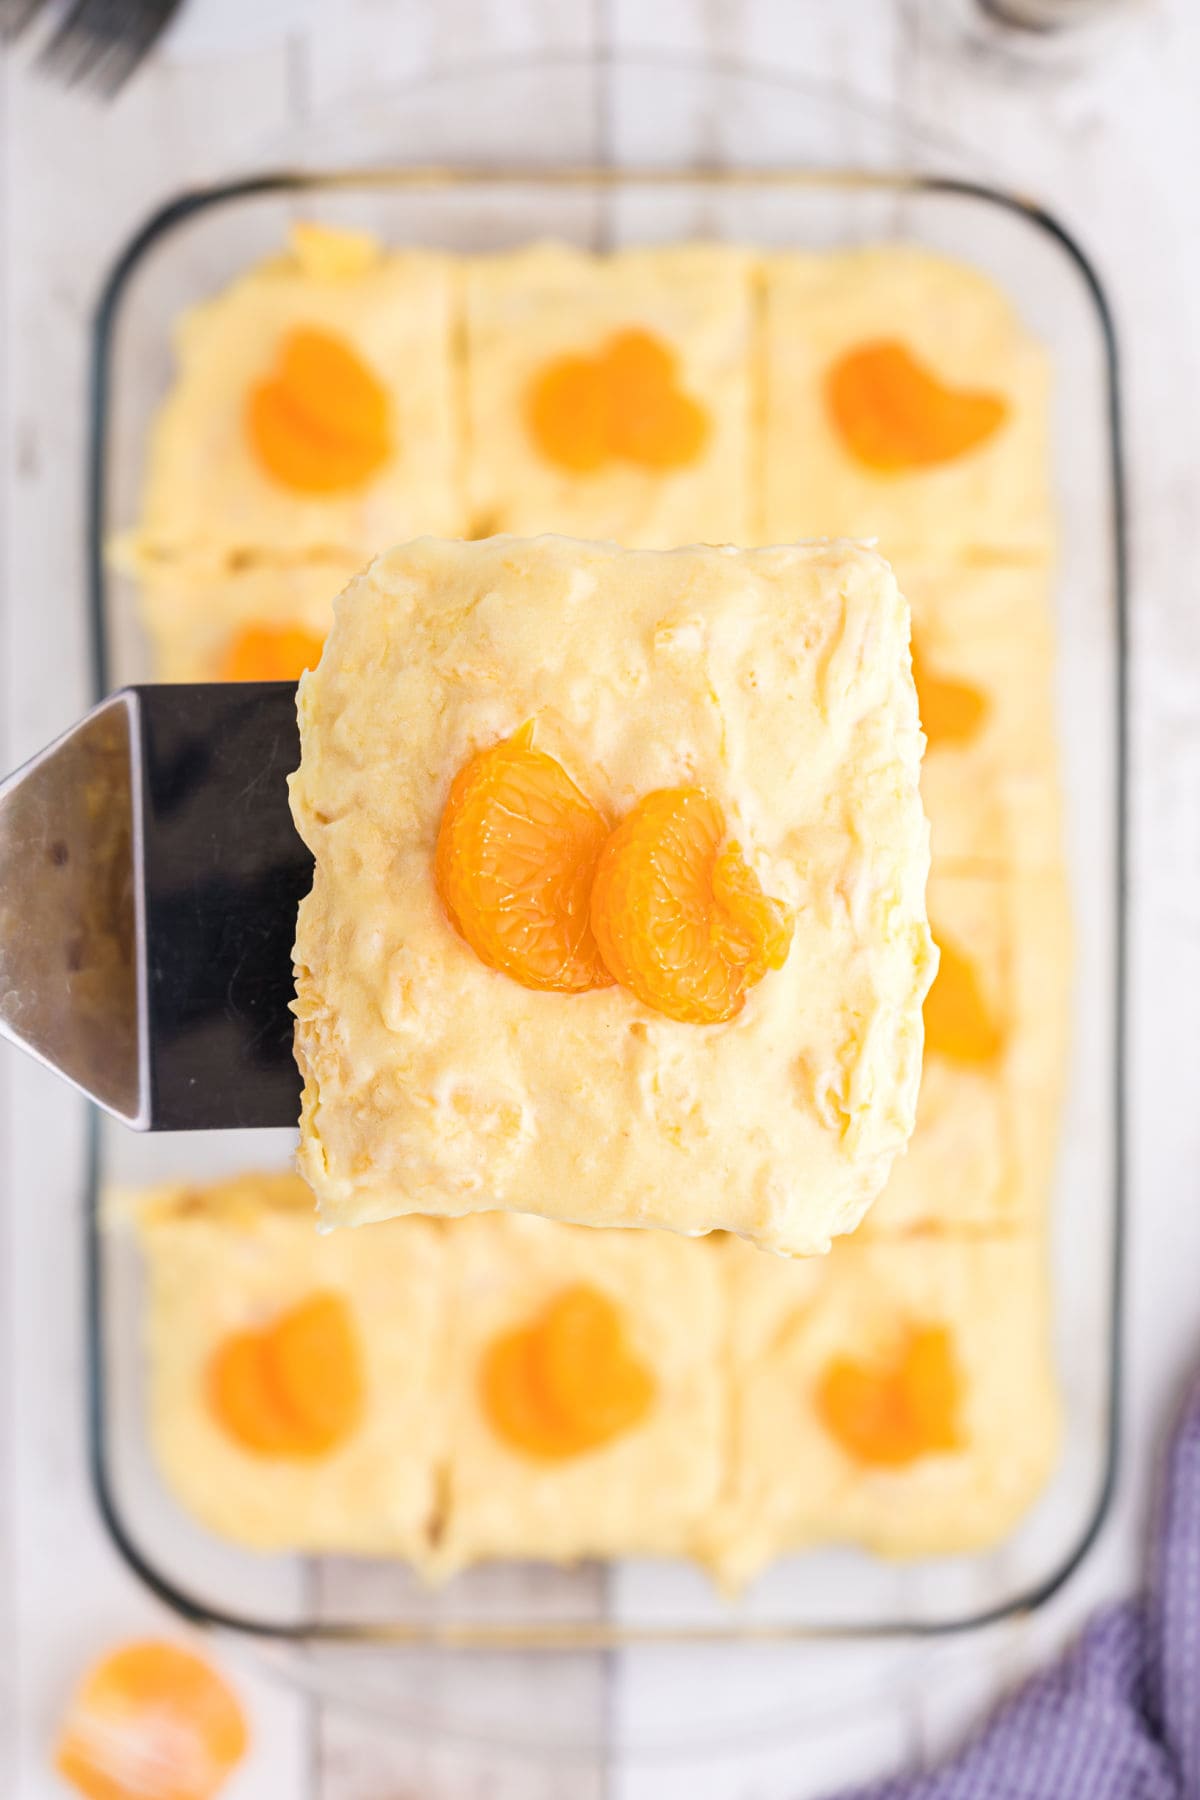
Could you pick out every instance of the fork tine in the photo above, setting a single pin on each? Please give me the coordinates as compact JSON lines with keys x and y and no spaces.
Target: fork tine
{"x":83,"y":38}
{"x":101,"y":42}
{"x":110,"y":24}
{"x":71,"y":45}
{"x":146,"y":20}
{"x":16,"y":16}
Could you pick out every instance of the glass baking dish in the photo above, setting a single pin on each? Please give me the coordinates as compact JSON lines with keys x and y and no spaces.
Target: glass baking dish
{"x":192,"y":248}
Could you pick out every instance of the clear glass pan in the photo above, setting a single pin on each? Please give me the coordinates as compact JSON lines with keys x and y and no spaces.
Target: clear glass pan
{"x":657,"y":112}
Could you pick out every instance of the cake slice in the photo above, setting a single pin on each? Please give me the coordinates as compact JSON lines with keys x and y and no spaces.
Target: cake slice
{"x":905,"y":401}
{"x":587,"y":1392}
{"x":618,"y":913}
{"x":982,"y":1156}
{"x":899,"y":1397}
{"x":295,"y":1381}
{"x":983,"y":658}
{"x":313,"y":408}
{"x":611,"y":396}
{"x":258,"y":618}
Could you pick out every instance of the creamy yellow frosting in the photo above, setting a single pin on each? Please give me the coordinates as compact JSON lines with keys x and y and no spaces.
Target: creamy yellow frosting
{"x":193,"y":612}
{"x":792,"y":1485}
{"x":648,"y":1489}
{"x":966,"y":332}
{"x":206,"y":493}
{"x":777,"y":679}
{"x":231,"y":1258}
{"x":530,"y":306}
{"x":982,"y":1154}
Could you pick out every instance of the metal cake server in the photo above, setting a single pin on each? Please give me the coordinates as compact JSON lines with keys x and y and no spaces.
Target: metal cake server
{"x":149,"y":879}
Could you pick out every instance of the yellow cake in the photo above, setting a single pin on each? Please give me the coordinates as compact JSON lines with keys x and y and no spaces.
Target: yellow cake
{"x":530,"y":309}
{"x":645,"y":1489}
{"x":952,"y":326}
{"x":983,"y":657}
{"x":197,"y":616}
{"x":777,"y":681}
{"x":823,"y":1451}
{"x":207,"y":490}
{"x":982,"y":1155}
{"x":234,"y":1259}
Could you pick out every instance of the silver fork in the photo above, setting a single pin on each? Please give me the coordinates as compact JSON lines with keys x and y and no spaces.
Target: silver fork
{"x":96,"y":42}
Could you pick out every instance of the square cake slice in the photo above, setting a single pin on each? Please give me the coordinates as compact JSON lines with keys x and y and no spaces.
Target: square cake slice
{"x":264,"y":619}
{"x":610,"y":396}
{"x":239,"y":1283}
{"x":983,"y":658}
{"x":588,"y":1403}
{"x":618,"y":913}
{"x":983,"y":1154}
{"x":900,"y":1397}
{"x":906,"y":402}
{"x":314,"y":407}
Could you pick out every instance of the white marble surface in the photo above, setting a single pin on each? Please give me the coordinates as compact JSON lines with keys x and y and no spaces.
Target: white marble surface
{"x":1112,"y":141}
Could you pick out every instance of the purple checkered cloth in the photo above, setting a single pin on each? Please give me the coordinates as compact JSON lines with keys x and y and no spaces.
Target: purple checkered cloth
{"x":1119,"y":1717}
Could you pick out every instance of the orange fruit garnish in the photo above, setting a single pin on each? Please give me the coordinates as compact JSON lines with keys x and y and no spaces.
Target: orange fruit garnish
{"x":958,"y":1023}
{"x":680,"y":919}
{"x":891,"y":1415}
{"x":516,"y":852}
{"x":568,"y":1382}
{"x":320,"y":422}
{"x":622,"y":404}
{"x":569,"y":414}
{"x":294,"y":1389}
{"x":151,"y":1722}
{"x":952,"y":712}
{"x":271,"y":653}
{"x":894,"y":413}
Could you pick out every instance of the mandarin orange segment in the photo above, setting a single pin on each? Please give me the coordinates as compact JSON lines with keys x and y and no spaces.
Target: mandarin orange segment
{"x":931,"y":1384}
{"x":316,"y":1362}
{"x":243,"y":1398}
{"x":270,"y":653}
{"x":294,"y":1389}
{"x":569,"y":415}
{"x":515,"y":856}
{"x":151,"y":1722}
{"x":958,"y":1022}
{"x":680,"y":918}
{"x":327,"y":379}
{"x":952,"y":712}
{"x":652,"y":421}
{"x":891,"y":1415}
{"x":624,"y":403}
{"x":514,"y":1405}
{"x":588,"y":1373}
{"x":893,"y":413}
{"x":319,"y":424}
{"x":568,"y":1382}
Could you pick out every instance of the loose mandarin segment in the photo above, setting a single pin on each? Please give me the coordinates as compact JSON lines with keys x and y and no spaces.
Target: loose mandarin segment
{"x":295,"y":1389}
{"x":958,"y":1022}
{"x":568,"y":1382}
{"x":952,"y":712}
{"x":894,"y":414}
{"x":271,"y":653}
{"x":623,"y":404}
{"x":680,"y":919}
{"x":319,"y":424}
{"x":515,"y":857}
{"x":892,"y":1415}
{"x":151,"y":1722}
